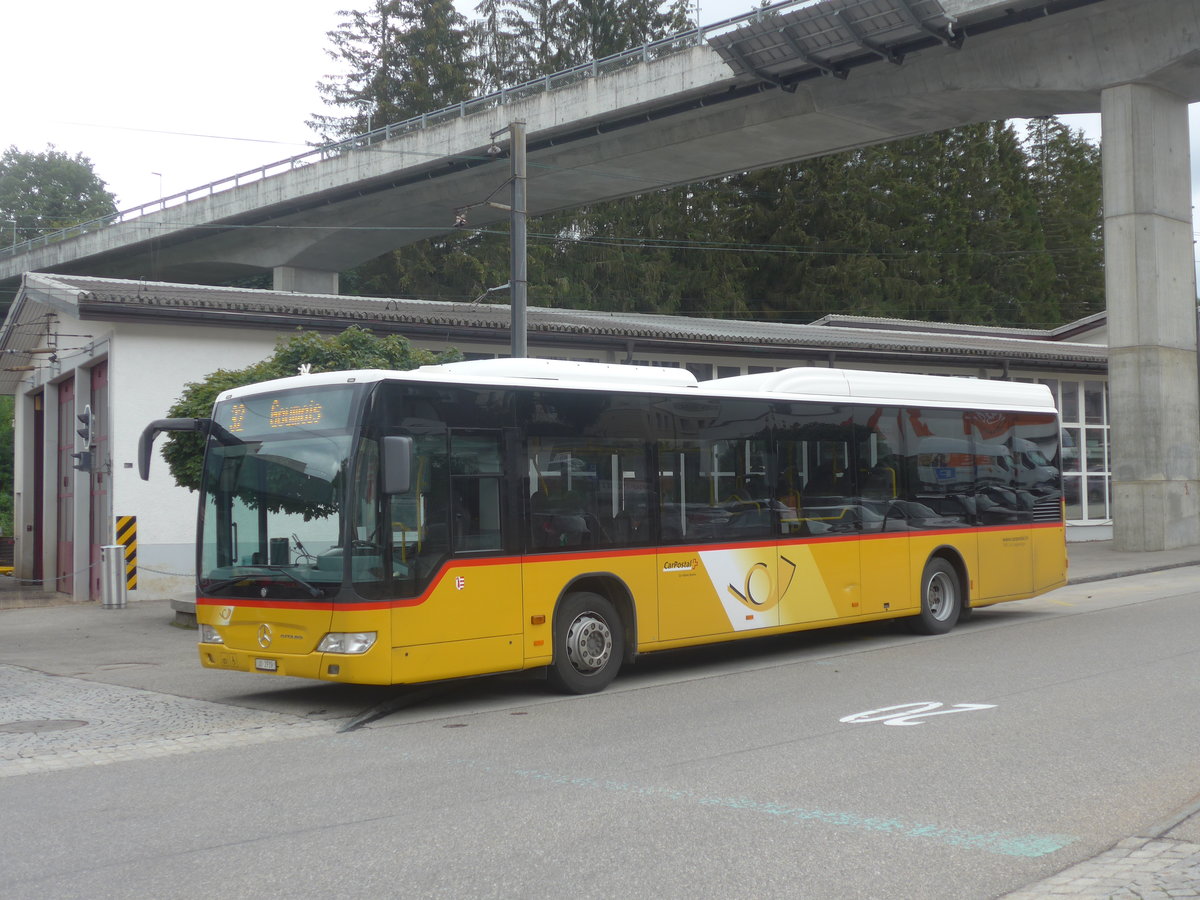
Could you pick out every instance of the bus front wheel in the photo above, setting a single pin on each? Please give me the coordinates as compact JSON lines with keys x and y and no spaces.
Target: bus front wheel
{"x":941,"y":598}
{"x":589,"y":643}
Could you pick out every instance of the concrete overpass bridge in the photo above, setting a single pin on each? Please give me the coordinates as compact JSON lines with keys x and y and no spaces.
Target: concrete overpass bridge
{"x":757,"y":91}
{"x":800,"y":81}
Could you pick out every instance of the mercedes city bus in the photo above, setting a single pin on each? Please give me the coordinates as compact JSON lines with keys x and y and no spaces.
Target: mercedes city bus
{"x":502,"y":515}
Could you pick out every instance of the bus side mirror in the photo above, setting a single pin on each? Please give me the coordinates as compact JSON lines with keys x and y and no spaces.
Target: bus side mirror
{"x":397,"y":464}
{"x":151,"y":431}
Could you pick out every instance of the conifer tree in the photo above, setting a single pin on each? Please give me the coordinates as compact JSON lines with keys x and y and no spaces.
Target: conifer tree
{"x":967,"y":225}
{"x":1064,"y":171}
{"x":524,"y":39}
{"x":497,"y":50}
{"x":400,"y":58}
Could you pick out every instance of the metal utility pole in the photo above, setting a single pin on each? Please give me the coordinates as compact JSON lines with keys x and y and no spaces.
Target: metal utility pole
{"x":518,"y":268}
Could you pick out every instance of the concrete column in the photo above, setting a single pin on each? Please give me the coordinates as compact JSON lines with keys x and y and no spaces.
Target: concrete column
{"x":304,"y":281}
{"x":1151,"y":288}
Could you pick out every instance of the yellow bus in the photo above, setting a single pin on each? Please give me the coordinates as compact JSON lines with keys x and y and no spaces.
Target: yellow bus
{"x":501,"y":515}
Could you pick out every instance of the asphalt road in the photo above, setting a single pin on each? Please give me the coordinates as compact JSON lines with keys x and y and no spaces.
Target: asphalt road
{"x":856,"y":763}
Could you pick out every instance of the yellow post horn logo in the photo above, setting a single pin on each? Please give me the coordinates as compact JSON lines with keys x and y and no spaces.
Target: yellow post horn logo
{"x":761,"y":592}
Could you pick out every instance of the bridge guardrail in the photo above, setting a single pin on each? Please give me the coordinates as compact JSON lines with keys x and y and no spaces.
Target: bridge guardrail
{"x":650,"y":52}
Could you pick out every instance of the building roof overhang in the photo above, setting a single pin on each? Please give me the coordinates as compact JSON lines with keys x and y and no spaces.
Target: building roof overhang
{"x":554,"y":331}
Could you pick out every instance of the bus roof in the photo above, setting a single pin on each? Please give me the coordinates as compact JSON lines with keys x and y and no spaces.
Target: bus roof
{"x":807,"y":382}
{"x":889,"y":387}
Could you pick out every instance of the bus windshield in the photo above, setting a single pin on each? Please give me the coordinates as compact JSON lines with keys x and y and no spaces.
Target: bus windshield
{"x":273,"y":495}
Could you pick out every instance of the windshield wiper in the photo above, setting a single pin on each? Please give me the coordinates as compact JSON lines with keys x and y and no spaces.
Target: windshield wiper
{"x":312,"y":589}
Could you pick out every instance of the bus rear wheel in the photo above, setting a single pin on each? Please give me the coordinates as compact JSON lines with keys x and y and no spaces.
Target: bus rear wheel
{"x":941,"y":599}
{"x":589,"y":643}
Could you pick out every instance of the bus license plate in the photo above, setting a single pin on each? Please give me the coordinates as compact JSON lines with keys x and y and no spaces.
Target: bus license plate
{"x":266,"y":665}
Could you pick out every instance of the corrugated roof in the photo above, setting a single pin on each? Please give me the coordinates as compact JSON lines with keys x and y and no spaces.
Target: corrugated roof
{"x":830,"y":34}
{"x":117,"y":299}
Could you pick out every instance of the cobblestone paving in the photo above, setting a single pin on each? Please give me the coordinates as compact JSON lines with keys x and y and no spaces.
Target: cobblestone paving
{"x":1136,"y":869}
{"x":49,"y":723}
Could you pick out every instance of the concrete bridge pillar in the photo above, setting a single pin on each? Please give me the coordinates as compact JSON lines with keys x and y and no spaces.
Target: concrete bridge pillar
{"x":1151,"y":290}
{"x":304,"y":281}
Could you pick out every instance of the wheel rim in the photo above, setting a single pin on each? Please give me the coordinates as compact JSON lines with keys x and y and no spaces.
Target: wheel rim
{"x":940,"y":596}
{"x":589,"y":643}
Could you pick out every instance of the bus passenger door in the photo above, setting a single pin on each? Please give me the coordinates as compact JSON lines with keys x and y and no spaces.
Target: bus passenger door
{"x":885,"y":525}
{"x":1004,"y":508}
{"x":469,"y":621}
{"x":819,"y":515}
{"x":479,"y":535}
{"x":718,"y":572}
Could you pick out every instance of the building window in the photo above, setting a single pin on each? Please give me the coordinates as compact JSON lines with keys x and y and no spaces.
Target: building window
{"x":1087,"y":468}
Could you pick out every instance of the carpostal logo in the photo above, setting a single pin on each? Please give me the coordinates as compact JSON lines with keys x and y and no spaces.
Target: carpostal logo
{"x":681,"y":565}
{"x":761,"y":591}
{"x":749,"y":582}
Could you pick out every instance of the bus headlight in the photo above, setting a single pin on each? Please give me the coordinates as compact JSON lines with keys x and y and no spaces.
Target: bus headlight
{"x":210,"y":635}
{"x":347,"y":642}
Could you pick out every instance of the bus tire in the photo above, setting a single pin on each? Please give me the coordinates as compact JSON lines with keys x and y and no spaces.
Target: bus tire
{"x":589,"y":644}
{"x":941,"y":598}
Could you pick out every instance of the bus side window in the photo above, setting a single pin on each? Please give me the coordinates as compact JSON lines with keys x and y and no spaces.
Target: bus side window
{"x":1039,"y":465}
{"x":420,"y":531}
{"x":880,"y":469}
{"x":815,"y":489}
{"x":583,"y":492}
{"x":475,"y":491}
{"x":941,"y":473}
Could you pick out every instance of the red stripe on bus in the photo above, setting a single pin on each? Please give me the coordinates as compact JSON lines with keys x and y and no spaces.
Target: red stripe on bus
{"x":604,"y":554}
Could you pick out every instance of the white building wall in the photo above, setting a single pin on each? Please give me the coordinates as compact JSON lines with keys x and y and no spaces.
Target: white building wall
{"x":1098,"y":336}
{"x":148,"y":368}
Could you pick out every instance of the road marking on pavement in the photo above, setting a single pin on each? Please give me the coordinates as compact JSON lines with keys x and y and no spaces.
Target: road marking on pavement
{"x":1003,"y":843}
{"x":913,"y":712}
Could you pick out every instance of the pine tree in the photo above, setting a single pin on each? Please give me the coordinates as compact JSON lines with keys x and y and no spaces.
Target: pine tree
{"x":497,"y":51}
{"x":538,"y":28}
{"x":968,"y":225}
{"x":552,"y":35}
{"x":436,"y":63}
{"x":599,"y":28}
{"x":1064,"y":171}
{"x":400,"y":58}
{"x":1004,"y":276}
{"x":518,"y":40}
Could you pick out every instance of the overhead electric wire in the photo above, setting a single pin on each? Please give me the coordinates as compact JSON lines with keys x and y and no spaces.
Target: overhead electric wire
{"x":189,"y":134}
